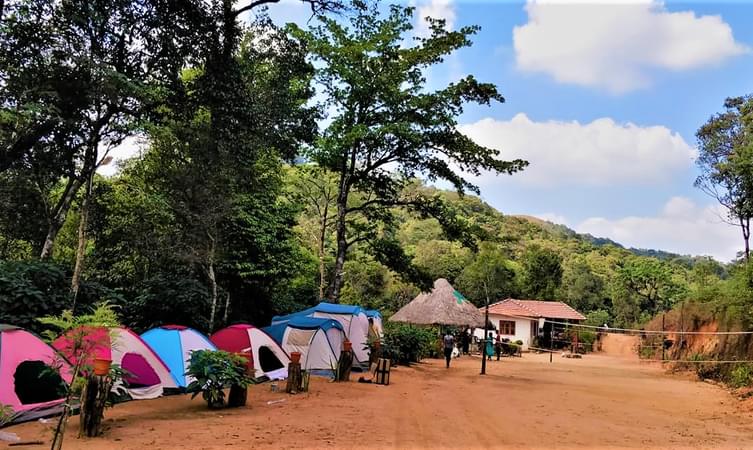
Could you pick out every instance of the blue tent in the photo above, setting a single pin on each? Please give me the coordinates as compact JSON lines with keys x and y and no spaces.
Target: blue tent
{"x":300,"y":322}
{"x":324,"y":308}
{"x":319,"y":340}
{"x":352,"y":318}
{"x":174,"y":344}
{"x":373,"y":313}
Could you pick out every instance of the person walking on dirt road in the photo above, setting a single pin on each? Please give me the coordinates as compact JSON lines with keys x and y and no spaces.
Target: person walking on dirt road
{"x":449,"y":344}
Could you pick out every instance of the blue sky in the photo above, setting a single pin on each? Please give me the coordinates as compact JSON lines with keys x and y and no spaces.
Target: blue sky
{"x":604,"y":99}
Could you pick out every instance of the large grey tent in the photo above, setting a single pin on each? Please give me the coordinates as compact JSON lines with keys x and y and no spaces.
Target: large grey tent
{"x":442,"y":306}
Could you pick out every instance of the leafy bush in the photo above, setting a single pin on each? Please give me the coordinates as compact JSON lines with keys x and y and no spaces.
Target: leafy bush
{"x":213,"y":371}
{"x":586,"y":339}
{"x":511,"y":348}
{"x":32,"y":289}
{"x":597,"y":318}
{"x":706,"y":371}
{"x":82,"y":345}
{"x":405,"y":344}
{"x":646,"y":352}
{"x":741,"y":375}
{"x":188,"y":303}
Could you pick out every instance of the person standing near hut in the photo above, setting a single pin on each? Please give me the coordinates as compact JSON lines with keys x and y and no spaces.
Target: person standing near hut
{"x":465,"y":341}
{"x":489,"y":347}
{"x":449,"y":344}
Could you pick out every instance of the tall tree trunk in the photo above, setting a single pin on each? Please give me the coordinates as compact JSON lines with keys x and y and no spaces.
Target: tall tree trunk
{"x":342,"y":248}
{"x":745,"y":225}
{"x":322,"y":268}
{"x":81,"y":249}
{"x":227,"y":308}
{"x":58,"y":215}
{"x":212,"y":282}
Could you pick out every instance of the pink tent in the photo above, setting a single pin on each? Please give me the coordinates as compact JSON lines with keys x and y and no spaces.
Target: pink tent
{"x":269,"y":359}
{"x":27,"y":384}
{"x":147,"y":376}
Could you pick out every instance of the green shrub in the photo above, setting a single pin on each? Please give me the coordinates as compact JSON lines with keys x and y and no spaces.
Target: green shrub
{"x":586,"y":340}
{"x":32,"y":289}
{"x":646,"y":352}
{"x":511,"y":348}
{"x":741,"y":375}
{"x":706,"y":371}
{"x":405,"y":344}
{"x":213,"y":371}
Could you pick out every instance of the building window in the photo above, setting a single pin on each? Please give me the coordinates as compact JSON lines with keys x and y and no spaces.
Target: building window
{"x":507,"y":327}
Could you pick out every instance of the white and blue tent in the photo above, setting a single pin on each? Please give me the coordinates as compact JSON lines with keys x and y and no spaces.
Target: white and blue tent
{"x":354,"y":322}
{"x":174,"y":344}
{"x":319,"y":341}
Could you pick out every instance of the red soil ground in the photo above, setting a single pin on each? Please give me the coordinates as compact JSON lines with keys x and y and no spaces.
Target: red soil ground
{"x":598,"y":402}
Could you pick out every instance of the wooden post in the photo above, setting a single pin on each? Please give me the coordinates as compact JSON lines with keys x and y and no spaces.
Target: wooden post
{"x":682,"y":329}
{"x":93,"y":401}
{"x":663,"y":337}
{"x":295,"y":378}
{"x":344,"y":365}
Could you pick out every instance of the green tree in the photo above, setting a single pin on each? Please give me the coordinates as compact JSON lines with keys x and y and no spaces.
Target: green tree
{"x":652,"y":282}
{"x":490,"y":275}
{"x":217,"y":148}
{"x":725,"y":145}
{"x":542,"y":272}
{"x":386,"y":127}
{"x":442,"y":259}
{"x":581,"y":288}
{"x":77,"y":76}
{"x":316,"y":189}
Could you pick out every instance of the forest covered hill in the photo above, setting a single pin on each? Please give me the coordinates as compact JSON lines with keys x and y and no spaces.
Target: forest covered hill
{"x":271,"y":264}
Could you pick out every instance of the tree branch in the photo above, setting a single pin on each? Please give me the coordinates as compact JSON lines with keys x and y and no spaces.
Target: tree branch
{"x":253,"y":5}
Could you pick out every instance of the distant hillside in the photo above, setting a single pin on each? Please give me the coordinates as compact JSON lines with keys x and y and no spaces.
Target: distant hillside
{"x":602,"y":241}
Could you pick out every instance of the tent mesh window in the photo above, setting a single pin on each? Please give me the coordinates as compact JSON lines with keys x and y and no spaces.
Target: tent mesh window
{"x":36,"y":382}
{"x":268,"y":360}
{"x":299,"y":338}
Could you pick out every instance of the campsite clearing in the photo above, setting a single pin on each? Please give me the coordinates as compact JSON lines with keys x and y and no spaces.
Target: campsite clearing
{"x":523,"y":403}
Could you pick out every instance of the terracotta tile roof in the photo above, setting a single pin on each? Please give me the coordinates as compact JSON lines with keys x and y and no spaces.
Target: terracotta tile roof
{"x":534,"y":308}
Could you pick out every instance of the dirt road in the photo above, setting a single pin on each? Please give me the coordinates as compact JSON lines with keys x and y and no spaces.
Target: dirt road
{"x":598,"y":402}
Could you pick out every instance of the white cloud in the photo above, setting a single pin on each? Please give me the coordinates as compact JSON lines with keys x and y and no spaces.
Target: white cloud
{"x":552,"y":217}
{"x":598,"y":153}
{"x":616,"y":45}
{"x":436,"y":9}
{"x":681,"y":227}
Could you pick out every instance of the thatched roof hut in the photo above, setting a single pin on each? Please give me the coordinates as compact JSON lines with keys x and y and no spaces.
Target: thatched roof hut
{"x":442,"y":306}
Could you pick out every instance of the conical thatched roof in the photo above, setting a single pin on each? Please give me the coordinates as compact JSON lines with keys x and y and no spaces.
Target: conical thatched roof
{"x":442,"y":306}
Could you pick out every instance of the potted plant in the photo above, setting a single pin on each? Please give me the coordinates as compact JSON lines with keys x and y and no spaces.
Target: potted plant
{"x":82,"y":334}
{"x":102,"y":367}
{"x":214,"y":371}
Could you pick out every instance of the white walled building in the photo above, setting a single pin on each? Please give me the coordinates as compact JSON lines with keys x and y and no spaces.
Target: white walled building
{"x":526,"y":319}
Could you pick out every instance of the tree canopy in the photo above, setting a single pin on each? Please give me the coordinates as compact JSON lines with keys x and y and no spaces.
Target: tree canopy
{"x":386,"y":127}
